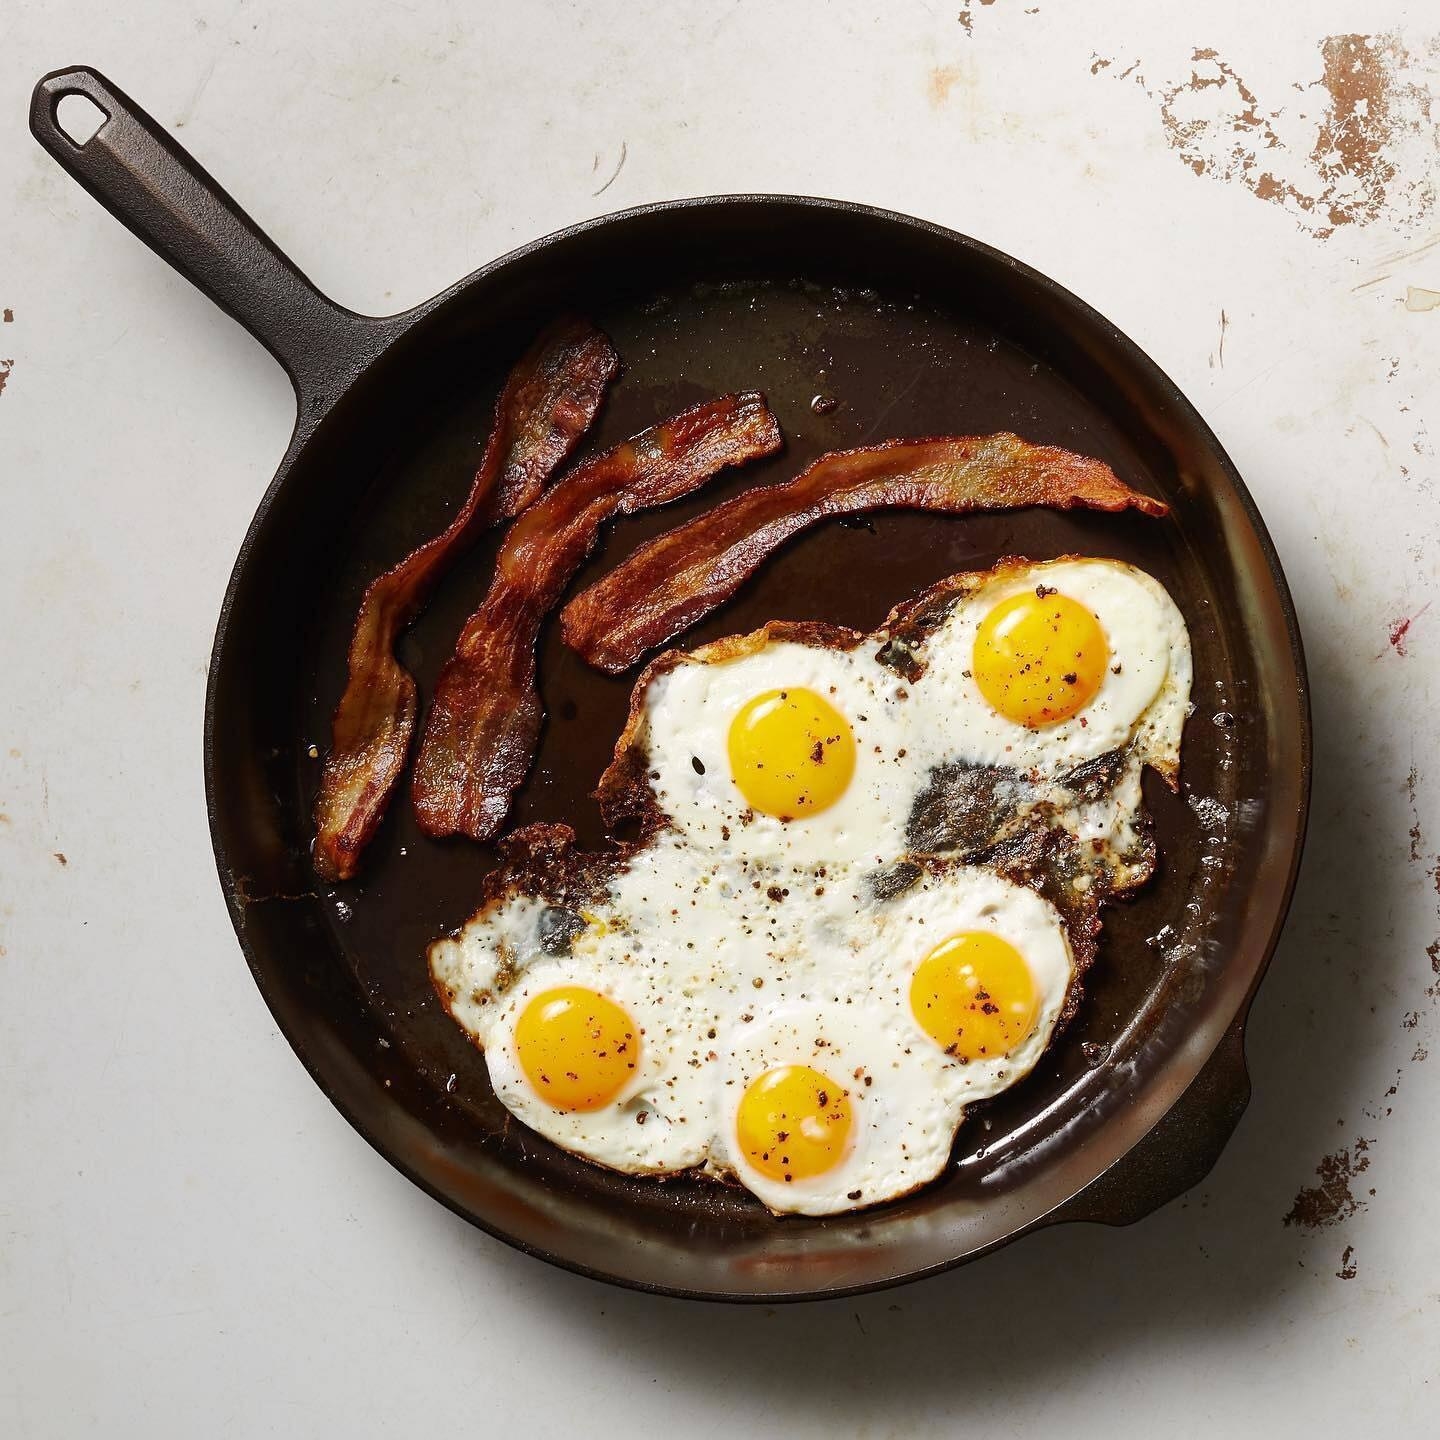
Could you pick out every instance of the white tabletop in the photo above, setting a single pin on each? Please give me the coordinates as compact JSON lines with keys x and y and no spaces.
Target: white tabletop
{"x":192,"y":1241}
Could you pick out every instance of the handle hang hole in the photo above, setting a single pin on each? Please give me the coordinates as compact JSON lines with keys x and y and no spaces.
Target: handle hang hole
{"x":79,"y":117}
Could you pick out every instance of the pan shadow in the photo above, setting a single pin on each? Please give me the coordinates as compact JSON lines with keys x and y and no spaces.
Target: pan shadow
{"x":1062,"y":1301}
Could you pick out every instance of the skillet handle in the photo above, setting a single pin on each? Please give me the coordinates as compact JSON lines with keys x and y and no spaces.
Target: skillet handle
{"x":1180,"y":1151}
{"x":138,"y":173}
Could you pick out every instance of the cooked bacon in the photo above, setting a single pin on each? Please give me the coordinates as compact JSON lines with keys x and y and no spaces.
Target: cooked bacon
{"x":485,"y":718}
{"x":679,"y":577}
{"x":548,"y":403}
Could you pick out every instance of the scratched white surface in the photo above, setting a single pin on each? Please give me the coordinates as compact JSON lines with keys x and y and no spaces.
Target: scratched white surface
{"x":191,"y":1240}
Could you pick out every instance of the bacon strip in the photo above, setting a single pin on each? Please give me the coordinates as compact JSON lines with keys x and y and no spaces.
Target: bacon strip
{"x":485,"y":718}
{"x":548,"y":403}
{"x":679,"y":577}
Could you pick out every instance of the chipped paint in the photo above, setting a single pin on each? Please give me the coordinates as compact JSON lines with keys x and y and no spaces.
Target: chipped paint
{"x":966,"y":16}
{"x":1418,"y":300}
{"x":1412,"y":782}
{"x":1331,"y":158}
{"x":1332,"y":1200}
{"x":6,"y":366}
{"x":1347,"y":1270}
{"x":1369,"y":103}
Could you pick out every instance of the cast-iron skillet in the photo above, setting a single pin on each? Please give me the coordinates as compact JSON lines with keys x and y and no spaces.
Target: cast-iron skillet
{"x":914,"y":330}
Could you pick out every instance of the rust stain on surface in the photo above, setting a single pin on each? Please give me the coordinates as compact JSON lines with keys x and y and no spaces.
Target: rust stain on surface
{"x":942,"y":80}
{"x":1331,"y":1201}
{"x":6,"y":366}
{"x":8,"y":316}
{"x":1333,"y":157}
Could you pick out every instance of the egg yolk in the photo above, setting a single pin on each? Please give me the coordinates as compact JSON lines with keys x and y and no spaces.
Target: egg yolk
{"x":1040,"y":657}
{"x":792,"y":753}
{"x":578,"y":1048}
{"x":974,"y":995}
{"x":794,"y":1123}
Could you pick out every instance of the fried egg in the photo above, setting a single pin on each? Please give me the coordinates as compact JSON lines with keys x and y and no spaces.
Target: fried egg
{"x":866,"y":889}
{"x":820,"y":1048}
{"x":1032,"y":691}
{"x":1045,"y":667}
{"x":799,"y":746}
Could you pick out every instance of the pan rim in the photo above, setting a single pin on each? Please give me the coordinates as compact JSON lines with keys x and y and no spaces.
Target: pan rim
{"x":1135,"y":359}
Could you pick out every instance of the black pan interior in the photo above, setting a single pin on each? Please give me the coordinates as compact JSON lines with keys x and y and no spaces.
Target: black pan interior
{"x":913,"y":332}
